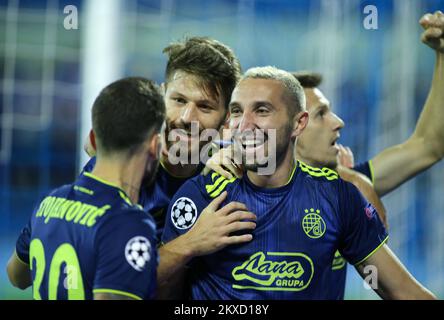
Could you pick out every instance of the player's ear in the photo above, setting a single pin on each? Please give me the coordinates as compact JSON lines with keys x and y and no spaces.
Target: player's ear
{"x":300,"y":121}
{"x":92,"y":138}
{"x":163,"y":88}
{"x":90,"y":144}
{"x":154,"y":146}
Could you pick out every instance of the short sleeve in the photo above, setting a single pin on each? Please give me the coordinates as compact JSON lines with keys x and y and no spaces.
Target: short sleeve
{"x":362,"y":230}
{"x":127,"y":257}
{"x":184,"y":209}
{"x":365,"y":169}
{"x":22,"y":244}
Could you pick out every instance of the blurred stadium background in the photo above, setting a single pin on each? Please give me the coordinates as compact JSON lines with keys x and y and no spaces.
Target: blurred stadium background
{"x":377,"y":81}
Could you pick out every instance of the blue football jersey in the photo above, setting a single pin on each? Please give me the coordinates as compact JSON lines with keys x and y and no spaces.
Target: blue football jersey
{"x":300,"y":228}
{"x":339,"y":265}
{"x":87,"y":238}
{"x":155,"y":198}
{"x":366,"y":168}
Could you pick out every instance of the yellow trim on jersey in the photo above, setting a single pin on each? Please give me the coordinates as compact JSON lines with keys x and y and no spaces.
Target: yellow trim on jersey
{"x":222,"y":187}
{"x":125,"y":197}
{"x":210,"y":188}
{"x":84,"y":190}
{"x":372,"y":175}
{"x":122,"y":293}
{"x":218,"y":186}
{"x":292,"y":173}
{"x":121,"y":192}
{"x":18,"y":258}
{"x":371,"y":253}
{"x":221,"y":183}
{"x":327,"y":173}
{"x":88,"y":174}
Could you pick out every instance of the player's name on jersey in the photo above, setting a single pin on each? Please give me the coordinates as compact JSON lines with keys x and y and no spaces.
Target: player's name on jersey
{"x":70,"y":211}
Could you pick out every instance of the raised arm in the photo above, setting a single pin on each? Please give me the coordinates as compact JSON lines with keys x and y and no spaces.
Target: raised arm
{"x":399,"y":163}
{"x":393,"y":279}
{"x":365,"y":186}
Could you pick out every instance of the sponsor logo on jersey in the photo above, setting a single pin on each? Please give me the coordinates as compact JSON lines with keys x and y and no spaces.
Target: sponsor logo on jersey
{"x":313,"y":224}
{"x":274,"y":271}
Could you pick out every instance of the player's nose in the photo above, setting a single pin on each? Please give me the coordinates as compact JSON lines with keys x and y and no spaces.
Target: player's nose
{"x":338,"y":122}
{"x":189,"y":113}
{"x":246,"y":122}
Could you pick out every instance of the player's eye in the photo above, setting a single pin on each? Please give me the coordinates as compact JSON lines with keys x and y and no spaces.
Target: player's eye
{"x":262,"y":110}
{"x":205,"y":107}
{"x":179,"y":100}
{"x":321,"y":113}
{"x":235,"y":111}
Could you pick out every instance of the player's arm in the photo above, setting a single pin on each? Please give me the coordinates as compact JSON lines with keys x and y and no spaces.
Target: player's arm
{"x":125,"y":257}
{"x":425,"y":147}
{"x":363,"y":243}
{"x":210,"y":233}
{"x":111,"y":296}
{"x":18,"y":272}
{"x":365,"y":186}
{"x":18,"y":269}
{"x":393,"y":279}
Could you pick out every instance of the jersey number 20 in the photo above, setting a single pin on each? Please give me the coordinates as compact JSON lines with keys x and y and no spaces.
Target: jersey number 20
{"x":65,"y":253}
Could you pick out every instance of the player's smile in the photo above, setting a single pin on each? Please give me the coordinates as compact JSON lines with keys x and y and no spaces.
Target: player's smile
{"x":190,"y":110}
{"x":253,"y":143}
{"x":253,"y":139}
{"x":184,"y":134}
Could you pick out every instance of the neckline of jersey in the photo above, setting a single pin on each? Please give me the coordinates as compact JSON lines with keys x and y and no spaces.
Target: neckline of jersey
{"x":277,"y":189}
{"x":109,"y":184}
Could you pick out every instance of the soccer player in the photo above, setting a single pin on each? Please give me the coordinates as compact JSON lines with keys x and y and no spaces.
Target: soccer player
{"x":394,"y":165}
{"x":304,"y":214}
{"x":317,"y":145}
{"x":90,"y":239}
{"x":200,"y":75}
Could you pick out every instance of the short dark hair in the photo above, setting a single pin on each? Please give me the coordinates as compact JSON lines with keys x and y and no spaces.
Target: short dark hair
{"x":293,"y":94}
{"x":211,"y":61}
{"x":125,"y":113}
{"x":308,"y":79}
